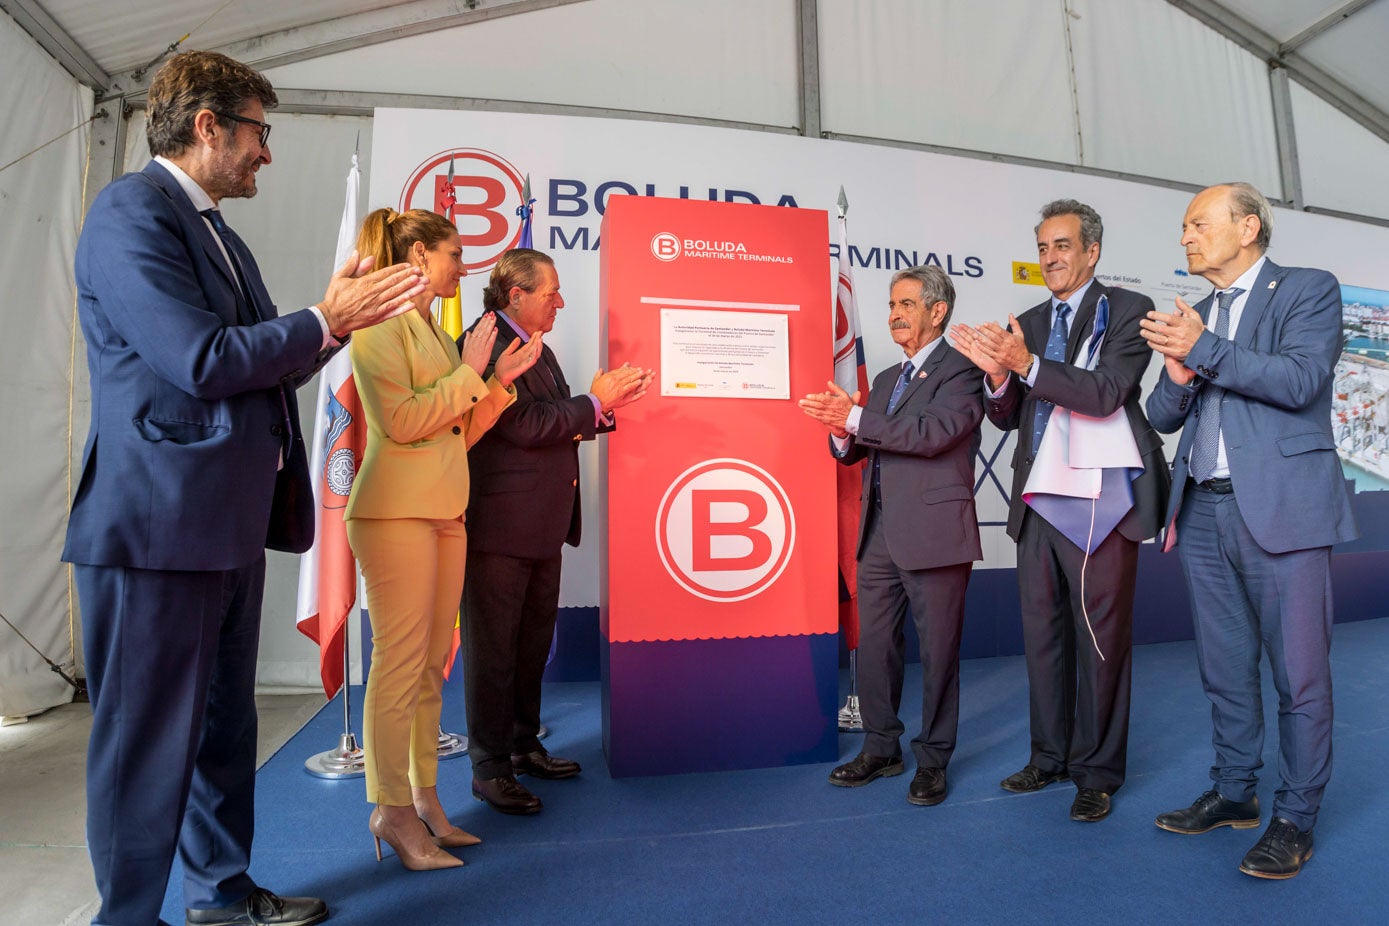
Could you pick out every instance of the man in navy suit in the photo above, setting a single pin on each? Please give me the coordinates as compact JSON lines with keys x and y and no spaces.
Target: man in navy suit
{"x":524,"y":506}
{"x":194,"y":464}
{"x":918,"y":534}
{"x":1258,"y":499}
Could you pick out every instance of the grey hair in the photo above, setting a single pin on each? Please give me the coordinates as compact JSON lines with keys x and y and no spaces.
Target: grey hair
{"x":1245,"y":200}
{"x":935,"y":287}
{"x":1091,"y":228}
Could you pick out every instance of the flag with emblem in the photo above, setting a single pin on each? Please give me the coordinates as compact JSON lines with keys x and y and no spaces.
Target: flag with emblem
{"x":328,"y":571}
{"x":851,"y":376}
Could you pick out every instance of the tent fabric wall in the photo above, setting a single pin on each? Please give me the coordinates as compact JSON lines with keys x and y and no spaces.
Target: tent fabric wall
{"x":40,"y":213}
{"x":1154,"y":89}
{"x":1163,"y":96}
{"x":987,"y":77}
{"x":717,"y":59}
{"x":1344,"y":167}
{"x":977,"y":77}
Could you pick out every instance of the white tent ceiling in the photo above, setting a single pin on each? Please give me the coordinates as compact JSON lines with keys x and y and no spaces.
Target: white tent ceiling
{"x":1331,"y":50}
{"x":1337,"y":44}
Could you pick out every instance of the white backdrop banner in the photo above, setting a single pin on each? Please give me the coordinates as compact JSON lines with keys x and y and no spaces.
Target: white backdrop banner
{"x":972,"y":217}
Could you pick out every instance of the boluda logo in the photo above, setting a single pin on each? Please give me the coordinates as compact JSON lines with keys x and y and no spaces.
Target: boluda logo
{"x":486,"y":194}
{"x":725,"y":530}
{"x":665,"y":246}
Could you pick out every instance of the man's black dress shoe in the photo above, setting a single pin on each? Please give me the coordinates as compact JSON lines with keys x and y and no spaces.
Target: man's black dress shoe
{"x":1031,"y":778}
{"x":927,"y":788}
{"x":1280,"y":852}
{"x":1090,"y":806}
{"x":506,"y":794}
{"x":543,"y":765}
{"x":262,"y":907}
{"x":864,"y":769}
{"x":1209,"y":811}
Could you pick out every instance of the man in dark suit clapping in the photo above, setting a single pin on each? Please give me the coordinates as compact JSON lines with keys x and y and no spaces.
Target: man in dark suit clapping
{"x":194,"y":464}
{"x":524,"y":506}
{"x":918,"y":537}
{"x":1081,"y":351}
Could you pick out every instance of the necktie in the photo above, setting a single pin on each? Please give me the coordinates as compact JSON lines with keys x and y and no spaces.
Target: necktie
{"x":892,"y":401}
{"x":901,"y":386}
{"x":1056,"y":350}
{"x":1205,"y":446}
{"x":231,"y":244}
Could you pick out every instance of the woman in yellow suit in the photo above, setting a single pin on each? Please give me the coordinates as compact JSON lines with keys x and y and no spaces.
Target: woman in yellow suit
{"x":424,"y":406}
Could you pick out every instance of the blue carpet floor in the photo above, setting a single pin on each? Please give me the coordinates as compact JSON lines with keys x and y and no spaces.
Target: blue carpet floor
{"x":783,"y":846}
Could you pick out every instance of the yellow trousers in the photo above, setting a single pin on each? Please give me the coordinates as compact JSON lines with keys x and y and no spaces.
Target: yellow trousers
{"x":413,"y":568}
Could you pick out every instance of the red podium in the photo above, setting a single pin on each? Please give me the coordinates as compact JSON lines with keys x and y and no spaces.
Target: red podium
{"x":719,"y":595}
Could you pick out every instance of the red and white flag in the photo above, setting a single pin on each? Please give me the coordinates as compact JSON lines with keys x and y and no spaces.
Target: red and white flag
{"x":849,"y":375}
{"x":328,"y":571}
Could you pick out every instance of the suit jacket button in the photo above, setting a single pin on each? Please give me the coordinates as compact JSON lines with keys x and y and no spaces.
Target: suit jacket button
{"x":474,"y":398}
{"x":277,"y":430}
{"x":457,"y":429}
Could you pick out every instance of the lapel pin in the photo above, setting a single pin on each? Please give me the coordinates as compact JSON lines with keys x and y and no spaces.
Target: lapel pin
{"x":921,"y":375}
{"x":1272,"y":284}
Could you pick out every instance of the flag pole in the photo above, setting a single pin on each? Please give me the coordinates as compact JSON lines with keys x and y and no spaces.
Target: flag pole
{"x":850,"y":719}
{"x":348,"y":760}
{"x":526,"y":240}
{"x":449,"y":315}
{"x":320,"y":606}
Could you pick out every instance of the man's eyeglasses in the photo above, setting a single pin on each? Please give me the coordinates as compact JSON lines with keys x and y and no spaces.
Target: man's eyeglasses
{"x":264,"y":127}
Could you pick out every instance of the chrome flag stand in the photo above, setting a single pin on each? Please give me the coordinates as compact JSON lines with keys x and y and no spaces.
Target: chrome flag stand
{"x":850,"y":721}
{"x":347,"y":761}
{"x":451,"y":745}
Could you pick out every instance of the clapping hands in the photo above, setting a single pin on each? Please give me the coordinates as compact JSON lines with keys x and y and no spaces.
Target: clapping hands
{"x":620,"y":386}
{"x":831,"y":408}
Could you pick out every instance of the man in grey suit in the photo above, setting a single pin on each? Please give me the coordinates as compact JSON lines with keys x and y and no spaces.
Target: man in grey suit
{"x":1258,"y":500}
{"x":918,"y":535}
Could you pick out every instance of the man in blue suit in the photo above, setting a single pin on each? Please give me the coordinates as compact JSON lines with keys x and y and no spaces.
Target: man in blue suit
{"x":1257,"y":501}
{"x":194,"y":464}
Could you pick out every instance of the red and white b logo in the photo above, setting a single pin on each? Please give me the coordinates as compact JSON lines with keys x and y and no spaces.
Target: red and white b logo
{"x":482,"y":204}
{"x":725,"y":530}
{"x":665,"y":246}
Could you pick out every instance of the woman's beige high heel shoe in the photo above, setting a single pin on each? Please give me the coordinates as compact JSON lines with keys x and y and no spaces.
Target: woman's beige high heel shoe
{"x":453,"y":839}
{"x":427,"y":862}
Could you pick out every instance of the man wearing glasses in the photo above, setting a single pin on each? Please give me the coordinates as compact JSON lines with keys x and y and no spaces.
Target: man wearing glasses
{"x":194,"y":465}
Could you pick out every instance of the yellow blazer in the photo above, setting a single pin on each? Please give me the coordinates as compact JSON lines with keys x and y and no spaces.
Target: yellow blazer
{"x":424,"y":408}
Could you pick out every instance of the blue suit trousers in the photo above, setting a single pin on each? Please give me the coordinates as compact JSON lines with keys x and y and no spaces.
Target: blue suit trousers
{"x":1245,"y":601}
{"x":171,"y":669}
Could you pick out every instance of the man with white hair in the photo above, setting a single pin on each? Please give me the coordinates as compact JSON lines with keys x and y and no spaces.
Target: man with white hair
{"x":1258,"y":499}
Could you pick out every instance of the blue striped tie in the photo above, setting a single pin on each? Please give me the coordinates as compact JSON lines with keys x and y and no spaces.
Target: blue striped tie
{"x":892,"y":401}
{"x":1056,"y":350}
